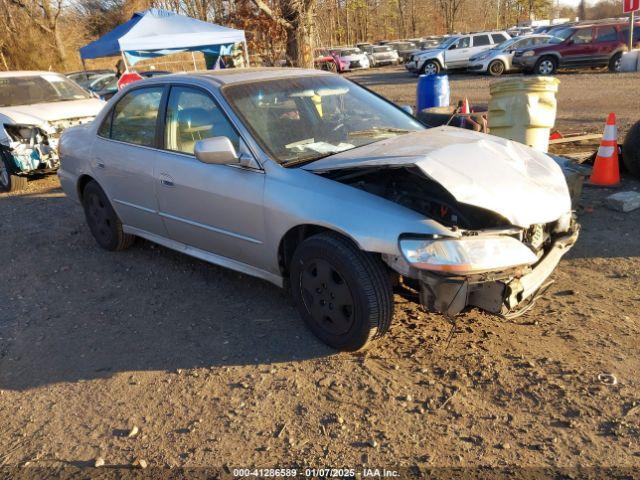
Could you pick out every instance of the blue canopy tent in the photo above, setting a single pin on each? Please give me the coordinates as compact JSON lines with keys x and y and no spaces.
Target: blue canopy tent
{"x":157,"y":32}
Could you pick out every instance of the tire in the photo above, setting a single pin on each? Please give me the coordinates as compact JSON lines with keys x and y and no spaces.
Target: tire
{"x":342,"y":293}
{"x":614,"y":63}
{"x":430,"y":67}
{"x":496,"y":68}
{"x":8,"y":181}
{"x":546,"y":66}
{"x":103,"y":221}
{"x":631,"y":150}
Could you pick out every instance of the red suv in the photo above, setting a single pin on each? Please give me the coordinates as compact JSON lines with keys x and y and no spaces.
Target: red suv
{"x":583,"y":45}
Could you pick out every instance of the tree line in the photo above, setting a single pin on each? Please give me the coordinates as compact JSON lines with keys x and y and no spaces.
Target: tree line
{"x":46,"y":34}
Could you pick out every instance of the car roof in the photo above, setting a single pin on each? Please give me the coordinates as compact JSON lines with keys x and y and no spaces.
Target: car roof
{"x":239,"y":75}
{"x":27,"y":73}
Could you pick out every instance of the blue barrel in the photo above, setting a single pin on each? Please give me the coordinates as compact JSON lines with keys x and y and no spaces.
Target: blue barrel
{"x":433,"y":91}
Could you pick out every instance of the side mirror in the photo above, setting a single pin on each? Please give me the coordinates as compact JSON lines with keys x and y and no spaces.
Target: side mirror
{"x":453,"y":47}
{"x":217,"y":151}
{"x":408,"y":109}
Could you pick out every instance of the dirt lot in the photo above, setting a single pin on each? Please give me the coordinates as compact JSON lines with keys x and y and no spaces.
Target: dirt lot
{"x":215,"y":369}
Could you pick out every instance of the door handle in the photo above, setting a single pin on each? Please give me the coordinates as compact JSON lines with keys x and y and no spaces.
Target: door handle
{"x":166,"y":180}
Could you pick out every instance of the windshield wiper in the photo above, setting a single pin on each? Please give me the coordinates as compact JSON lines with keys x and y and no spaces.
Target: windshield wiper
{"x":303,"y":161}
{"x":375,"y":130}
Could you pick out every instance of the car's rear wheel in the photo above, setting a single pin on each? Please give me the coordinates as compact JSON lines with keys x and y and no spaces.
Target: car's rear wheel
{"x":546,"y":66}
{"x":496,"y":68}
{"x":615,"y":62}
{"x":103,"y":221}
{"x":8,"y":181}
{"x":343,"y":294}
{"x":430,"y":67}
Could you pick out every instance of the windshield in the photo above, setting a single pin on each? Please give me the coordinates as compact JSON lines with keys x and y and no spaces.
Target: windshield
{"x":506,"y":44}
{"x":43,"y":88}
{"x":298,"y":120}
{"x":84,"y":79}
{"x":560,"y":35}
{"x":350,"y":51}
{"x":448,"y":42}
{"x":108,"y":82}
{"x":382,"y":49}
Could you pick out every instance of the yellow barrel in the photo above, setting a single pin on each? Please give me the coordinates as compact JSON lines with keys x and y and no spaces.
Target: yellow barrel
{"x":524,"y":109}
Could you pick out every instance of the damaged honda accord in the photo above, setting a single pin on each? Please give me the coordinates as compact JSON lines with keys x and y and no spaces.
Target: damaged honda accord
{"x":316,"y":184}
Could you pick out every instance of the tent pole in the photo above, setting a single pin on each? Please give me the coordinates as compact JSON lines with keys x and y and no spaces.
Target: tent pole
{"x":84,"y":68}
{"x":246,"y":53}
{"x":124,"y":59}
{"x":193,"y":57}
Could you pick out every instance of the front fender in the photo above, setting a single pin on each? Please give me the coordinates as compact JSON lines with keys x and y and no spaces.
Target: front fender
{"x":296,"y":197}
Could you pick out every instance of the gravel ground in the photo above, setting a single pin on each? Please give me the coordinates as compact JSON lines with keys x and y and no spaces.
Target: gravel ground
{"x":215,"y":369}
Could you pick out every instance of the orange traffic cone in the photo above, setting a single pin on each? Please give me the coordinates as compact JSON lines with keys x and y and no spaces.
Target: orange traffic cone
{"x":465,"y":106}
{"x":606,"y":171}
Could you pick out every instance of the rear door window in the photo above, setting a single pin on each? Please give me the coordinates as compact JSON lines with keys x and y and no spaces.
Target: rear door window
{"x":606,"y":34}
{"x":481,"y":40}
{"x":135,"y":117}
{"x":498,"y":38}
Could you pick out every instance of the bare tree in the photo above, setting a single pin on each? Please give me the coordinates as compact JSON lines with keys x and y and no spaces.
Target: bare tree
{"x":45,"y":15}
{"x":296,"y":16}
{"x":450,"y":10}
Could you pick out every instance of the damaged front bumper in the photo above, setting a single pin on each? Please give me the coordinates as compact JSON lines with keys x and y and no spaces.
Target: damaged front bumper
{"x":30,"y":150}
{"x":499,"y":293}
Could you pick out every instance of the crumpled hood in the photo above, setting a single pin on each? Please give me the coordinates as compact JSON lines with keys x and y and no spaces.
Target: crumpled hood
{"x":523,"y":185}
{"x":40,"y":113}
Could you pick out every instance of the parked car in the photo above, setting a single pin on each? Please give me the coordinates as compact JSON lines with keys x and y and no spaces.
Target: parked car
{"x":404,"y":49}
{"x":582,"y":45}
{"x":350,"y":58}
{"x":313,"y":183}
{"x":498,"y":60}
{"x":35,"y":107}
{"x":547,"y":28}
{"x":454,"y":52}
{"x":323,"y":60}
{"x":104,"y":86}
{"x":380,"y":55}
{"x":84,"y":78}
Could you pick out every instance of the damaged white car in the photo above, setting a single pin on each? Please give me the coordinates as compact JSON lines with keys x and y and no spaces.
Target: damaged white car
{"x":34,"y":109}
{"x":315,"y":184}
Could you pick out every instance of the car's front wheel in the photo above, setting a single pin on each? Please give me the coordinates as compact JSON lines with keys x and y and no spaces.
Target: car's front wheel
{"x":496,"y":68}
{"x":546,"y":66}
{"x":430,"y":67}
{"x":103,"y":221}
{"x":343,"y":294}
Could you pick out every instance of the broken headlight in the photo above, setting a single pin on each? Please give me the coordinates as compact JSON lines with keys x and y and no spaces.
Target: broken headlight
{"x":467,"y":255}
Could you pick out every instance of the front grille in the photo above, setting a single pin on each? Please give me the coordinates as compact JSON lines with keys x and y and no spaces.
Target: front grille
{"x":355,"y":64}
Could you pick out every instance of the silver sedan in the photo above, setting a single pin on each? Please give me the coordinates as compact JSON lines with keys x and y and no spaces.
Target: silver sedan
{"x":315,"y":184}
